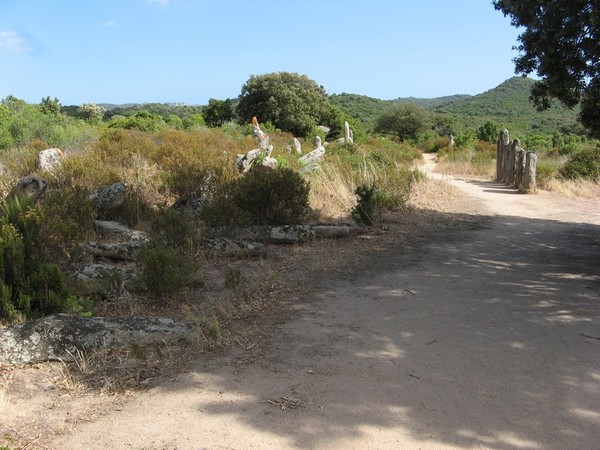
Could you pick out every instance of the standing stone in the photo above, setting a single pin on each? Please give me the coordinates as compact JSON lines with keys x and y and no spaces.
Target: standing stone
{"x":347,"y":133}
{"x":501,"y":148}
{"x":529,"y":182}
{"x":512,"y":162}
{"x":297,"y":146}
{"x":520,"y":168}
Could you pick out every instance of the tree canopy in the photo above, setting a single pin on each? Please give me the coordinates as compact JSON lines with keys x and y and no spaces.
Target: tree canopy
{"x":405,"y":120}
{"x":217,"y":112}
{"x":290,"y":101}
{"x":561,"y":43}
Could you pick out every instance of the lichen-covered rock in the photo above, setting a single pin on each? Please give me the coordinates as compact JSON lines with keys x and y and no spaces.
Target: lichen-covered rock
{"x":32,"y":187}
{"x":59,"y":336}
{"x":117,"y":231}
{"x":50,"y":159}
{"x":100,"y":271}
{"x":331,"y":231}
{"x":312,"y":167}
{"x":234,"y":247}
{"x":109,"y":198}
{"x":314,"y":156}
{"x":291,"y":234}
{"x":123,"y":251}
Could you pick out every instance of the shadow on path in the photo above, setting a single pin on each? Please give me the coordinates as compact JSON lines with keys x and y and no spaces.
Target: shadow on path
{"x":480,"y":339}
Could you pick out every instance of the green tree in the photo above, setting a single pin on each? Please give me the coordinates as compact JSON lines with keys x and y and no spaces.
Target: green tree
{"x":217,"y":112}
{"x":561,"y":43}
{"x":489,"y":132}
{"x":193,"y":121}
{"x":405,"y":120}
{"x":50,"y":107}
{"x":290,"y":101}
{"x":91,"y":112}
{"x":141,"y":120}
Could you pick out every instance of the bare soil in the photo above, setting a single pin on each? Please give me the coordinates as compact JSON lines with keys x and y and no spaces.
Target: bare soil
{"x":470,"y":320}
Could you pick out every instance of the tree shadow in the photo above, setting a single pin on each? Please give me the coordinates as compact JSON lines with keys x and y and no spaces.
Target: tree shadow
{"x":494,"y":187}
{"x":473,"y":338}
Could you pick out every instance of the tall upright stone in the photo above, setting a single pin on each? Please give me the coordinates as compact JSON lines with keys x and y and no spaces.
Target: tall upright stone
{"x":501,"y":150}
{"x":529,"y":181}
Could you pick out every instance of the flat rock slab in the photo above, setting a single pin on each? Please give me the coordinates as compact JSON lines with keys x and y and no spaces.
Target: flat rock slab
{"x":58,"y":336}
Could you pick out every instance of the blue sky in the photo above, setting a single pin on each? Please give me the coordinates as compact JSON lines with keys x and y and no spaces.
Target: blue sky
{"x":120,"y":51}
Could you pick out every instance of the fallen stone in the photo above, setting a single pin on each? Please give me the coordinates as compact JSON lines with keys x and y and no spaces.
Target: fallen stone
{"x":123,"y":251}
{"x":312,"y":167}
{"x":59,"y":336}
{"x":117,"y":231}
{"x":234,"y":247}
{"x":331,"y":231}
{"x":100,"y":271}
{"x":291,"y":234}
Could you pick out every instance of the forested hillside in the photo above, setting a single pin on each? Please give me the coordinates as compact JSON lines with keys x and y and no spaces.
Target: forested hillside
{"x":507,"y":104}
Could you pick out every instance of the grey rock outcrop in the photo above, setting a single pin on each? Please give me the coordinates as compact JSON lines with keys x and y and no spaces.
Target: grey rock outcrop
{"x":59,"y":336}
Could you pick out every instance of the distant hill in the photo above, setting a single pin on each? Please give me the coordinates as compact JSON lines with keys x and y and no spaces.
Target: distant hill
{"x":365,"y":109}
{"x":507,"y":104}
{"x":430,"y":103}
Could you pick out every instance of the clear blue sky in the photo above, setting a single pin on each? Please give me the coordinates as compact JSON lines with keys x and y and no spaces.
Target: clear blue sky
{"x":120,"y":51}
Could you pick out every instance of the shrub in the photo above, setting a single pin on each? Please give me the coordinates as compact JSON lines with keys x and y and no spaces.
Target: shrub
{"x":546,"y":170}
{"x":364,"y":211}
{"x":29,"y":286}
{"x":167,"y":259}
{"x":164,"y":270}
{"x":440,"y":143}
{"x":274,"y":197}
{"x":66,"y":218}
{"x":584,"y":164}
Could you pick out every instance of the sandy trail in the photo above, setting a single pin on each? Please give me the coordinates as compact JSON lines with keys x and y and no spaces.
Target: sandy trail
{"x":479,"y":339}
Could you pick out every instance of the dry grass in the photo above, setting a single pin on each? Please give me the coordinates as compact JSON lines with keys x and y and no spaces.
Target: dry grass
{"x":574,"y":188}
{"x":331,"y":193}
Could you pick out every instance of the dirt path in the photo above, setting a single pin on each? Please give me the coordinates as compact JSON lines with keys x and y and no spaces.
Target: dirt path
{"x":486,"y":338}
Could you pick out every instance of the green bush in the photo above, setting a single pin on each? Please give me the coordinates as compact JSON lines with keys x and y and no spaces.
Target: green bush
{"x":164,"y":270}
{"x":29,"y":286}
{"x":274,"y":197}
{"x":364,"y":211}
{"x":167,"y":260}
{"x":584,"y":164}
{"x":66,"y":218}
{"x":546,"y":170}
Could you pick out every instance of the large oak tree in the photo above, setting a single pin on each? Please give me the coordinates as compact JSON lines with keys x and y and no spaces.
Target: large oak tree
{"x":290,"y":101}
{"x":561,"y":43}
